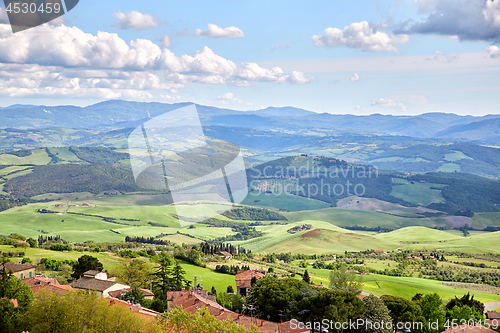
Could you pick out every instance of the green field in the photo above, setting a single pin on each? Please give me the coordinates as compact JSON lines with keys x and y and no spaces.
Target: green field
{"x":456,"y":156}
{"x":283,"y":201}
{"x":404,"y":286}
{"x":15,"y":168}
{"x":110,"y":262}
{"x":450,"y":167}
{"x":345,"y":217}
{"x":209,"y":277}
{"x":418,"y":234}
{"x":65,"y":155}
{"x":418,"y":193}
{"x":37,"y":157}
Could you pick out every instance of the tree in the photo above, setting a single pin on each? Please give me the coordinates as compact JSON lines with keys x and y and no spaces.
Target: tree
{"x":136,"y":273}
{"x":84,"y":264}
{"x":178,"y":279}
{"x":270,"y":295}
{"x":231,"y":302}
{"x":81,"y":312}
{"x":306,"y":278}
{"x":32,"y":242}
{"x":403,"y":310}
{"x":464,"y":312}
{"x":466,"y":299}
{"x":12,"y":288}
{"x":163,"y":276}
{"x":376,"y":312}
{"x":213,"y":291}
{"x":315,"y":304}
{"x":432,"y":312}
{"x":342,"y":279}
{"x":230,"y":290}
{"x":27,"y":260}
{"x":176,"y":320}
{"x":135,"y":296}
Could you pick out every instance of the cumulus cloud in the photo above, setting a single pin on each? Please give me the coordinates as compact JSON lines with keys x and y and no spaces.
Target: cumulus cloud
{"x":135,"y":20}
{"x":493,"y":51}
{"x":359,"y":35}
{"x":353,"y":78}
{"x":467,"y":19}
{"x":229,"y":97}
{"x":388,"y":103}
{"x":166,"y":42}
{"x":105,"y":65}
{"x":492,"y":12}
{"x":444,"y":57}
{"x":214,"y":31}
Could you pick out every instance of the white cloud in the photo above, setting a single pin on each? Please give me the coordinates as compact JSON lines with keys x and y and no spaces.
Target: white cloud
{"x":106,"y":65}
{"x":493,"y":51}
{"x":411,"y":99}
{"x":466,"y":19}
{"x":166,"y":42}
{"x":135,"y":20}
{"x":444,"y":57}
{"x":171,"y":98}
{"x":214,"y":31}
{"x":388,"y":103}
{"x":4,"y":19}
{"x":492,"y":12}
{"x":229,"y":97}
{"x":282,"y":46}
{"x":359,"y":35}
{"x":353,"y":78}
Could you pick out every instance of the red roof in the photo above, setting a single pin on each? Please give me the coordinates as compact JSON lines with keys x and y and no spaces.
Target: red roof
{"x":244,"y":278}
{"x":191,"y":301}
{"x":38,"y":283}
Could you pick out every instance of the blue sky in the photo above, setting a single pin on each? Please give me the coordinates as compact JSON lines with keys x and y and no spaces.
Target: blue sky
{"x":360,"y":57}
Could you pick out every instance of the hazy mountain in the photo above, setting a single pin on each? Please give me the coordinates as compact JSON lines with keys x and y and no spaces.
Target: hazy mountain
{"x":123,"y":114}
{"x":486,"y":130}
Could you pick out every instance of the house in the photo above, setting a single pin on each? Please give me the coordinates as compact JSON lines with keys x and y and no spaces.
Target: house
{"x":225,"y":255}
{"x":96,"y":281}
{"x":378,"y":251}
{"x":493,"y":315}
{"x":39,"y":283}
{"x":96,"y":274}
{"x":20,"y":271}
{"x":119,"y":294}
{"x":136,"y":308}
{"x":192,"y":300}
{"x":244,"y":281}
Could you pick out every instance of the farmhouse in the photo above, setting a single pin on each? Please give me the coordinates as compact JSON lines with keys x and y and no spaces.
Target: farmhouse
{"x":244,"y":281}
{"x":225,"y":255}
{"x":20,"y":271}
{"x":95,"y":281}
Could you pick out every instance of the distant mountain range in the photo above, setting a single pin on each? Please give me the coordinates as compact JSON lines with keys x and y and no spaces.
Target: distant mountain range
{"x":123,"y":114}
